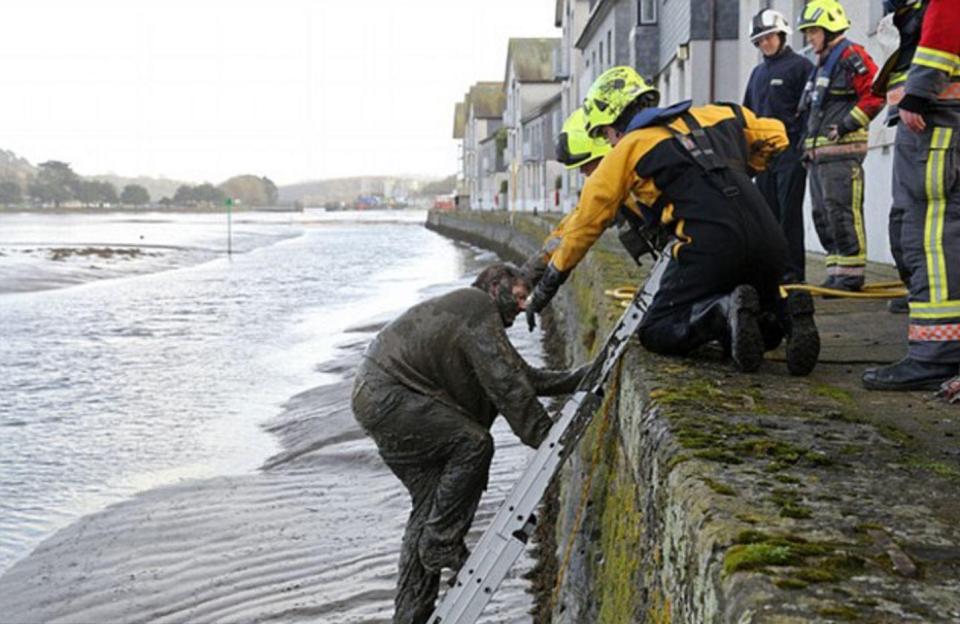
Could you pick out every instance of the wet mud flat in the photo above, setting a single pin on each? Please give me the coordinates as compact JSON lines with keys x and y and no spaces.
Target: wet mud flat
{"x":313,"y":536}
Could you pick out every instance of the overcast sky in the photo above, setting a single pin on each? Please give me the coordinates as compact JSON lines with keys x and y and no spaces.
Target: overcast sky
{"x":292,"y":89}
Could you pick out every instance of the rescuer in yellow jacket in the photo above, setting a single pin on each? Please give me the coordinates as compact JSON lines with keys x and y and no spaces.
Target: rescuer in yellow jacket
{"x":690,"y":168}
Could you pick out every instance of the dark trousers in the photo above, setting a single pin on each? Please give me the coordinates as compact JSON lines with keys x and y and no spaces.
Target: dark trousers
{"x":836,"y":192}
{"x":443,"y":459}
{"x":783,"y":186}
{"x":927,"y":167}
{"x":898,"y":208}
{"x":741,"y":244}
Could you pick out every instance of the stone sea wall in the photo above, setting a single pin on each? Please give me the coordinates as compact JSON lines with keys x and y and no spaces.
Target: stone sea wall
{"x":703,"y":495}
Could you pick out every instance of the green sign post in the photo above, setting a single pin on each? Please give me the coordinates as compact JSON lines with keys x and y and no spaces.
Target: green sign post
{"x":229,"y":203}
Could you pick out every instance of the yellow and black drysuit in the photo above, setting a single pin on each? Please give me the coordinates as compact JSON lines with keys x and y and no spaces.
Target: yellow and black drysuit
{"x":688,"y":168}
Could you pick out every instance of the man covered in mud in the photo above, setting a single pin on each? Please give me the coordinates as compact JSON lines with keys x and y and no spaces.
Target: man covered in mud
{"x":427,"y":391}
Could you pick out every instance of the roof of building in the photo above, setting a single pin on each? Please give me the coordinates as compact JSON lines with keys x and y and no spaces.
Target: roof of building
{"x":487,"y":100}
{"x":543,"y":109}
{"x":459,"y":120}
{"x":532,"y":58}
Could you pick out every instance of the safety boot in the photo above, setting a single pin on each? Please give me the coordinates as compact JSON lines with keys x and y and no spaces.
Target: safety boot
{"x":803,"y":339}
{"x":746,"y":340}
{"x":909,"y":374}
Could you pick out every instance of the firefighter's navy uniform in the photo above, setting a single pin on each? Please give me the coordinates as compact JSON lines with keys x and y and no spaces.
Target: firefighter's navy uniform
{"x":840,"y":105}
{"x":927,"y":170}
{"x":688,"y":168}
{"x":774,"y":90}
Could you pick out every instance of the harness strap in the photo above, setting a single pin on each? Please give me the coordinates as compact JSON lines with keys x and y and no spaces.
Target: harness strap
{"x":700,"y":149}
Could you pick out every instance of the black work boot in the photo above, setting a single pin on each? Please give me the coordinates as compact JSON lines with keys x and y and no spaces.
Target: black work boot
{"x":908,"y":374}
{"x":803,"y":339}
{"x":746,"y":341}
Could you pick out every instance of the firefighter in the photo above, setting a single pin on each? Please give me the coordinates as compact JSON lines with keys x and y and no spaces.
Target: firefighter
{"x":927,"y":175}
{"x":576,"y":149}
{"x":689,"y":168}
{"x":427,"y":391}
{"x":890,"y":83}
{"x":774,"y":90}
{"x":839,"y":105}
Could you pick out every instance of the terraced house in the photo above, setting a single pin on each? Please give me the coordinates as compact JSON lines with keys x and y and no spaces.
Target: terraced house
{"x":483,"y":117}
{"x":691,"y":49}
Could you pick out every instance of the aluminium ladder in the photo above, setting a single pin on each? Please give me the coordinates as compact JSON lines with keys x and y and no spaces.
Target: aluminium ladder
{"x":507,"y":535}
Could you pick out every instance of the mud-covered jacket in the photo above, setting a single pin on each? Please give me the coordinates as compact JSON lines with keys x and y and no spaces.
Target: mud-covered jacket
{"x":648,"y":160}
{"x":933,"y":83}
{"x":775,"y":88}
{"x":454,"y":348}
{"x":838,"y":93}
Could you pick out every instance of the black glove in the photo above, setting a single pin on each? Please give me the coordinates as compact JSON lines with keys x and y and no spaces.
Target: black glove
{"x":543,"y":293}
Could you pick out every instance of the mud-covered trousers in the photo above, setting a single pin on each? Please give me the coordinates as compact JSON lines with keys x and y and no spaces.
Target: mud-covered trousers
{"x":443,"y":459}
{"x":783,"y":185}
{"x":741,"y":243}
{"x":927,"y":186}
{"x":836,"y":193}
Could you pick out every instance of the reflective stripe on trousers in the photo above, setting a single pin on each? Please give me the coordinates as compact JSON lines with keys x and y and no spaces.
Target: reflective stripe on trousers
{"x":928,"y":186}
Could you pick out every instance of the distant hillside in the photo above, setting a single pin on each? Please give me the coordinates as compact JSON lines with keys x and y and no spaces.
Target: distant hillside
{"x":157,"y":187}
{"x":317,"y":192}
{"x":15,"y":167}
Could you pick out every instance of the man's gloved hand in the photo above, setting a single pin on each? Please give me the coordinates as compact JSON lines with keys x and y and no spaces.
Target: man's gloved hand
{"x":543,"y":293}
{"x":833,"y":133}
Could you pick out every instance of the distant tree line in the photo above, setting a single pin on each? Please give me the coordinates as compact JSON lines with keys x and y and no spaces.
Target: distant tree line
{"x":56,"y":184}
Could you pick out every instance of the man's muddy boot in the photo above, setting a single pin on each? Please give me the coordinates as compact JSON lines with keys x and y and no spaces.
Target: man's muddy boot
{"x":746,"y":341}
{"x":803,"y":339}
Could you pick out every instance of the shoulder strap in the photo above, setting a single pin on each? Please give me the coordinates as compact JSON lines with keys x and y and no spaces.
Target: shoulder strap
{"x":700,"y":149}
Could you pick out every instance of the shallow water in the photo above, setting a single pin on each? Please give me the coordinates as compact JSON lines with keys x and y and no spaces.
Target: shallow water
{"x":119,"y":385}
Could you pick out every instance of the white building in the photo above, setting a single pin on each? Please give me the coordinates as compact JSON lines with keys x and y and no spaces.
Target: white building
{"x":483,"y":108}
{"x":570,"y":18}
{"x":530,"y":84}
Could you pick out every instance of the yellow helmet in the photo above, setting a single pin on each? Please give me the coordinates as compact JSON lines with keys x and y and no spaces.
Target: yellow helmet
{"x":612,"y":92}
{"x":575,"y":147}
{"x":826,"y":14}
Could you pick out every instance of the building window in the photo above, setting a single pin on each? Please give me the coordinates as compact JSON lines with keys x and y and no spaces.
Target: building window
{"x":601,"y":53}
{"x":647,"y":11}
{"x":609,"y":48}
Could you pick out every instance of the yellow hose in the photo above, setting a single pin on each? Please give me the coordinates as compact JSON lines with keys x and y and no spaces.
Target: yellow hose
{"x":878,"y":290}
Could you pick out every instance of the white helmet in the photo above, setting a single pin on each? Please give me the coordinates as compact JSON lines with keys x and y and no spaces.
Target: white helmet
{"x":768,"y":21}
